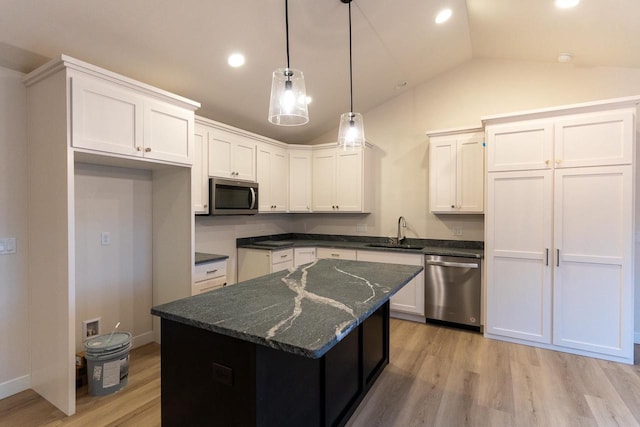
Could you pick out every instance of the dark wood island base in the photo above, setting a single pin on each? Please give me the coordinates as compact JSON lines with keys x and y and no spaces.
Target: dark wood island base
{"x":210,"y":379}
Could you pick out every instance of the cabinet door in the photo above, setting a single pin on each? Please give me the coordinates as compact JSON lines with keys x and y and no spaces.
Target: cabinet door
{"x":199,"y":175}
{"x":518,"y":245}
{"x":220,"y":149}
{"x":409,"y":299}
{"x":442,"y":175}
{"x":595,"y":139}
{"x":593,"y":283}
{"x":279,"y":180}
{"x":168,"y":131}
{"x":106,"y":117}
{"x":300,"y":181}
{"x":522,"y":146}
{"x":243,"y":160}
{"x":348,"y":181}
{"x":324,"y":173}
{"x":470,"y":175}
{"x":264,"y":174}
{"x":304,"y":256}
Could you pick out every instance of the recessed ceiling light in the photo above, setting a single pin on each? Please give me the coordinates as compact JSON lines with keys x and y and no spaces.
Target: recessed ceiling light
{"x":566,"y":4}
{"x":236,"y":60}
{"x":565,"y":57}
{"x":443,"y":16}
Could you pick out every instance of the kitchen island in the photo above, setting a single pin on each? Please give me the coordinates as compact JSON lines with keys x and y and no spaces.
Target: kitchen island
{"x":297,"y":347}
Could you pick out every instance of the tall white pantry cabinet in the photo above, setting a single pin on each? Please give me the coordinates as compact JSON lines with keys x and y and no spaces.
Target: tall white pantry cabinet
{"x":559,"y":228}
{"x":81,"y":113}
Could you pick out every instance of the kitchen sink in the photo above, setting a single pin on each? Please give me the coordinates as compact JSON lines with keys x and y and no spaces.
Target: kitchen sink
{"x":395,"y":246}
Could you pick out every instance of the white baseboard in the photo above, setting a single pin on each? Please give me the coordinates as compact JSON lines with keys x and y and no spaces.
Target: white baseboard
{"x":142,"y":339}
{"x":16,"y":385}
{"x":407,"y":316}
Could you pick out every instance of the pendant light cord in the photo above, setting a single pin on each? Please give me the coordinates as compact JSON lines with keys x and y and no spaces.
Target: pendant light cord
{"x":286,"y":24}
{"x":350,"y":63}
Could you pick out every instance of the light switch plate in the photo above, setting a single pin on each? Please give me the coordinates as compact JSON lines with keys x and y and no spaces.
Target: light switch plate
{"x":105,"y":238}
{"x":10,"y":246}
{"x":3,"y":245}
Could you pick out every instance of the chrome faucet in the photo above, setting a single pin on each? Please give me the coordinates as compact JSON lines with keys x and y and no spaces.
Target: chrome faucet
{"x":401,"y":225}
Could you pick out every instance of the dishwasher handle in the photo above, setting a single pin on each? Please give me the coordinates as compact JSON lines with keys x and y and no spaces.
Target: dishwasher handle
{"x":453,"y":264}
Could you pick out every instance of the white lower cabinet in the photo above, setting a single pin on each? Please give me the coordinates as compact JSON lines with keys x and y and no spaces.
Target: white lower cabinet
{"x":335,"y":253}
{"x":303,"y":256}
{"x":409,"y":299}
{"x":209,"y":276}
{"x":259,"y":262}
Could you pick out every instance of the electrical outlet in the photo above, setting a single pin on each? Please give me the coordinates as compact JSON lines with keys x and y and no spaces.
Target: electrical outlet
{"x":457,"y":231}
{"x":7,"y":245}
{"x":105,"y":238}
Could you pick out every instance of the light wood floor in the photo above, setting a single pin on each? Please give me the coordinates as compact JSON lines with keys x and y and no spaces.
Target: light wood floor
{"x":437,"y":377}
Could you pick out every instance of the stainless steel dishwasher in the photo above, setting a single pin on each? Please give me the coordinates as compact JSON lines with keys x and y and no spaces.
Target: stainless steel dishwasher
{"x":452,"y":289}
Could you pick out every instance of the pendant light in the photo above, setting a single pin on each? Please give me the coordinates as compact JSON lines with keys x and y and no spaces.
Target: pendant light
{"x":288,"y":105}
{"x":351,"y":130}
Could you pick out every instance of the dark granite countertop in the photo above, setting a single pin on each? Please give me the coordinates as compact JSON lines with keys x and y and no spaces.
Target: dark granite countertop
{"x":202,"y":257}
{"x":305,"y":311}
{"x":460,"y":248}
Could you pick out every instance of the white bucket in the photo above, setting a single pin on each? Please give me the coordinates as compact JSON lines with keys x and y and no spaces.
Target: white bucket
{"x":107,"y":362}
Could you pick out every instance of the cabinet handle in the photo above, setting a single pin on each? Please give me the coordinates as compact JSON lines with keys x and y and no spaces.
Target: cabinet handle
{"x":335,"y":255}
{"x":557,"y":257}
{"x":212,"y":271}
{"x":547,"y":256}
{"x":283,"y":256}
{"x":146,"y":150}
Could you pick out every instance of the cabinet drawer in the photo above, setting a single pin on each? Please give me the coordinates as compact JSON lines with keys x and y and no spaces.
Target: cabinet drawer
{"x":280,"y":256}
{"x":334,"y":253}
{"x":209,"y":270}
{"x":208,"y":285}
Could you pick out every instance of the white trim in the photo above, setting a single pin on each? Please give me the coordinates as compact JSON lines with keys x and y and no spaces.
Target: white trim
{"x":16,"y":385}
{"x":407,"y":316}
{"x":142,"y":339}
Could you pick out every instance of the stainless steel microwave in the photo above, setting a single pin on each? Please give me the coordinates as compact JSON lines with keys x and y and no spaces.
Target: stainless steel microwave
{"x":232,"y":197}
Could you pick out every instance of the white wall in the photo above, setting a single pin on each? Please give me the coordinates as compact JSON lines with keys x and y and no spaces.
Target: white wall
{"x":14,"y":291}
{"x":218,"y":234}
{"x":456,"y":98}
{"x":114,"y":282}
{"x":459,"y":97}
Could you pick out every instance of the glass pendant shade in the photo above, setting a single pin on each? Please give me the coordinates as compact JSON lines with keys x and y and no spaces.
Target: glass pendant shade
{"x":288,"y":105}
{"x":351,"y":131}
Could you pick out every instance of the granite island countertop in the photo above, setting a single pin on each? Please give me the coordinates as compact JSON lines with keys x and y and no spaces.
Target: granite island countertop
{"x":304,"y":311}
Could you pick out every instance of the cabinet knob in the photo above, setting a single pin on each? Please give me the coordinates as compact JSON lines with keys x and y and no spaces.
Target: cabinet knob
{"x":146,"y":150}
{"x":558,"y":161}
{"x":546,"y":162}
{"x":205,"y":206}
{"x":138,"y":148}
{"x":337,"y":207}
{"x":452,"y":206}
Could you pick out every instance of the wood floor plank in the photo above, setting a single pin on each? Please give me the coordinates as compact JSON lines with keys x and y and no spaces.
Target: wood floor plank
{"x":437,"y":376}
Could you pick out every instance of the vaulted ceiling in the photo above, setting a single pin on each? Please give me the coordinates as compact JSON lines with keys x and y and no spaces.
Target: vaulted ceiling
{"x":182,"y":46}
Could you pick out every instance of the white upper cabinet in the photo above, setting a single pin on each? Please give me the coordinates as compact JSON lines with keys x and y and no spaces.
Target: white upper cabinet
{"x":199,"y":175}
{"x":341,"y":180}
{"x":231,"y":155}
{"x":520,"y":146}
{"x":456,"y":171}
{"x":300,"y":165}
{"x":273,"y":178}
{"x":594,"y":139}
{"x":115,"y":119}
